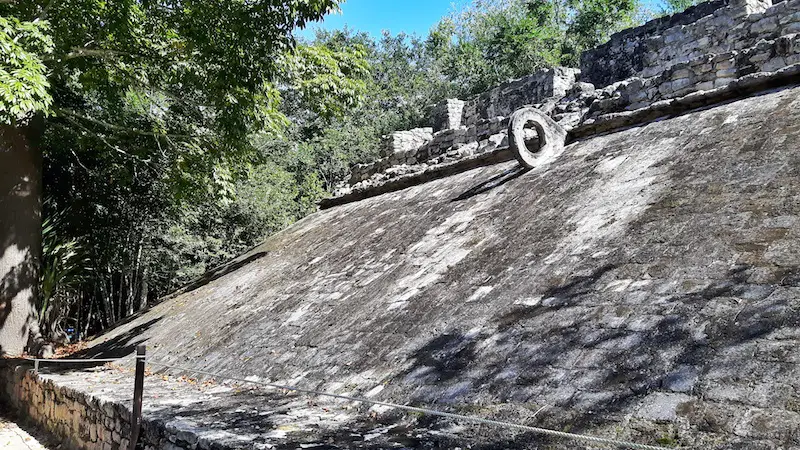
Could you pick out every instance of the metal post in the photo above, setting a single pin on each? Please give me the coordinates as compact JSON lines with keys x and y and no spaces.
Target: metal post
{"x":138,"y":388}
{"x":36,"y":366}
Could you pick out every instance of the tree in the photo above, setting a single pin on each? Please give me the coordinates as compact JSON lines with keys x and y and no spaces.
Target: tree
{"x":492,"y":41}
{"x":150,"y":90}
{"x":676,"y":6}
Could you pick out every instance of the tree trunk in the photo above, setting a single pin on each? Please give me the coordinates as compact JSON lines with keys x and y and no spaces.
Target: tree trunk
{"x":20,"y":235}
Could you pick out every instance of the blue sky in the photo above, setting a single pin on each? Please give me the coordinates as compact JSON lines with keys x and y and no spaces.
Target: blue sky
{"x":373,"y":16}
{"x":409,"y":16}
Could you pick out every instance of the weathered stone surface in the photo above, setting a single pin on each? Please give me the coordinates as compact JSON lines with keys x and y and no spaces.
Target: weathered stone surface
{"x":643,"y":285}
{"x":508,"y":97}
{"x":708,"y":47}
{"x":709,"y":28}
{"x":448,"y":114}
{"x":542,"y":146}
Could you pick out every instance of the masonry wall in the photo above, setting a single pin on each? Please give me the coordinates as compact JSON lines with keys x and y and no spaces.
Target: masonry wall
{"x":710,"y":28}
{"x":504,"y":99}
{"x":80,"y":420}
{"x":703,"y":49}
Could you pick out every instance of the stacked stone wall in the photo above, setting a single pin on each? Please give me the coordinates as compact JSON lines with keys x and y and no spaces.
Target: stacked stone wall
{"x":701,"y":50}
{"x":504,"y":99}
{"x":703,"y":73}
{"x":712,"y":28}
{"x":82,"y":421}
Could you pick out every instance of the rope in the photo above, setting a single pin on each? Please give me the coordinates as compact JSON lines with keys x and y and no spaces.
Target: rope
{"x":538,"y":430}
{"x":66,"y":360}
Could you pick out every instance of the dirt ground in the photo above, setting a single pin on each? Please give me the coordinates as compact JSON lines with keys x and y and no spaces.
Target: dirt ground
{"x":14,"y":436}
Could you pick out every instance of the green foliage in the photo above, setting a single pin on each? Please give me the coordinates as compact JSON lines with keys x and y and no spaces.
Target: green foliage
{"x":593,"y":21}
{"x":23,"y":74}
{"x":191,"y":79}
{"x":404,"y":82}
{"x":179,"y":134}
{"x":148,"y":141}
{"x":329,"y":81}
{"x":64,"y":267}
{"x":492,"y":41}
{"x":676,"y":6}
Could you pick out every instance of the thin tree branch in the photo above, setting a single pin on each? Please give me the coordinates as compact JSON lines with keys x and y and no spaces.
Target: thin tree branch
{"x":111,"y":126}
{"x":75,"y":154}
{"x":82,"y":52}
{"x":45,"y":10}
{"x":112,"y":147}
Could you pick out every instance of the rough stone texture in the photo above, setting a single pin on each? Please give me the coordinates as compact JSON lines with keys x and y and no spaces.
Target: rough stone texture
{"x":645,"y":286}
{"x":80,"y":420}
{"x":448,"y":114}
{"x":536,"y":146}
{"x":703,"y":50}
{"x":707,"y":29}
{"x":506,"y":98}
{"x":89,"y":409}
{"x":400,"y":143}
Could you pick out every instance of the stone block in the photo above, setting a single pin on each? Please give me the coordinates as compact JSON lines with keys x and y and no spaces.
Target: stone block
{"x":683,"y":83}
{"x":705,"y":86}
{"x":448,"y":114}
{"x":681,"y":73}
{"x":792,"y":28}
{"x":401,"y":142}
{"x":789,"y":18}
{"x":766,"y":25}
{"x":759,"y":57}
{"x":719,"y":82}
{"x":724,"y":64}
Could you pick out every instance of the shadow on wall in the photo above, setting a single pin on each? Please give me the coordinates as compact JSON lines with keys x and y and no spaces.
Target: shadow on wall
{"x":215,"y":273}
{"x":20,"y":235}
{"x":120,"y":346}
{"x":368,"y":431}
{"x":493,"y":182}
{"x":531,"y":356}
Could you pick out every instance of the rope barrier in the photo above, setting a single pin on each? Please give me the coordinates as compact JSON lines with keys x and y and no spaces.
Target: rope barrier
{"x":36,"y":361}
{"x":66,"y":360}
{"x":460,"y":417}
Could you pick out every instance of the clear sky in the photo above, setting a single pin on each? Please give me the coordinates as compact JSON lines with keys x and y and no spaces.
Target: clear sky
{"x":374,"y":16}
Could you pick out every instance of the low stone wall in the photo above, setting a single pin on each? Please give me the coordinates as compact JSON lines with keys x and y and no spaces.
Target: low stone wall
{"x":508,"y":97}
{"x":82,"y":421}
{"x":703,"y":73}
{"x":443,"y":146}
{"x":400,"y":177}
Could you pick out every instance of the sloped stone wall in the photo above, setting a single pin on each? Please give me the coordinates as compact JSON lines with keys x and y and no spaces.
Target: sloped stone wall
{"x":650,"y":274}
